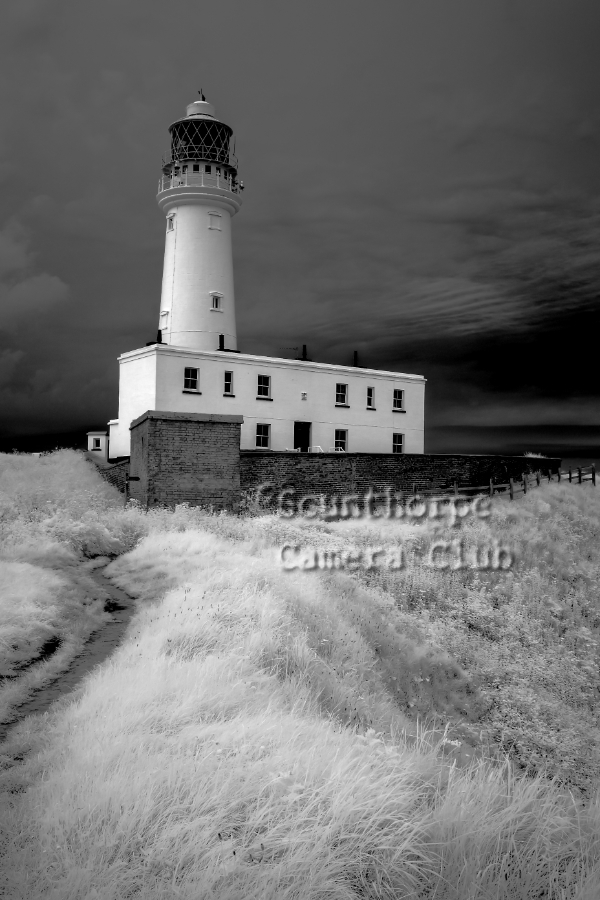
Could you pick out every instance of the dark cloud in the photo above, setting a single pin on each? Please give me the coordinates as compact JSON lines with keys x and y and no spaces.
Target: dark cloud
{"x":421,"y":185}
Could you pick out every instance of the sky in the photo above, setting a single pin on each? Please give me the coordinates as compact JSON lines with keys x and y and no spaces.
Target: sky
{"x":422,"y":185}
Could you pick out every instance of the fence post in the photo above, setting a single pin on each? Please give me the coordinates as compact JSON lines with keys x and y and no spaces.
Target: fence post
{"x":126,"y":492}
{"x":491,"y":488}
{"x":511,"y":488}
{"x":524,"y":482}
{"x":537,"y":478}
{"x":579,"y":474}
{"x":559,"y":473}
{"x":456,"y":488}
{"x":570,"y":475}
{"x":594,"y":474}
{"x":414,"y":490}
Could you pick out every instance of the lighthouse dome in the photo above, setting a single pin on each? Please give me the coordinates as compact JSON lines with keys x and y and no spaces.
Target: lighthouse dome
{"x":201,"y":108}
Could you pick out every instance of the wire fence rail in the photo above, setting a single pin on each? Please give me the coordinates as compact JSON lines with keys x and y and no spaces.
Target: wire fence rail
{"x":513,"y":486}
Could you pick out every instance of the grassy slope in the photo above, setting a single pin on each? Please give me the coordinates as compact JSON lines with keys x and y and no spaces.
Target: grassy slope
{"x":55,"y":512}
{"x":248,"y":739}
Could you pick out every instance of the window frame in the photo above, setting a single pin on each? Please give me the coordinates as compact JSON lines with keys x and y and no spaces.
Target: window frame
{"x":338,"y":440}
{"x":260,"y":394}
{"x":371,"y":397}
{"x":228,"y":393}
{"x":171,"y":222}
{"x":344,"y":393}
{"x":214,"y":221}
{"x":187,"y":389}
{"x":217,"y":302}
{"x":262,"y":437}
{"x":396,"y":434}
{"x":395,"y":406}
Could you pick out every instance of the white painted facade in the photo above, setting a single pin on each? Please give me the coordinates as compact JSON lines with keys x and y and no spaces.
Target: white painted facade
{"x":285,"y":403}
{"x":98,"y":443}
{"x":155,"y":378}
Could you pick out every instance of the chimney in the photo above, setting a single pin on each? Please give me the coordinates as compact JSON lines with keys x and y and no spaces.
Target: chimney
{"x":355,"y":358}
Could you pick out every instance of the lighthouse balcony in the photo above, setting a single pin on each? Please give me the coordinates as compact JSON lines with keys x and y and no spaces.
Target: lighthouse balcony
{"x":199,"y":179}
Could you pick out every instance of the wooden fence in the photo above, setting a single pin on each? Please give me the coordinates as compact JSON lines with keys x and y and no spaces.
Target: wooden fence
{"x":515,"y":486}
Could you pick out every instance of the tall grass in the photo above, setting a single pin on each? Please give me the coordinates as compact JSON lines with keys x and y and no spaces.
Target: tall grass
{"x":55,"y":513}
{"x":257,"y":735}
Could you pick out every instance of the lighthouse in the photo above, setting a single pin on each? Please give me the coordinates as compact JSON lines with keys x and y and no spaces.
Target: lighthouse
{"x":198,"y":193}
{"x":195,"y":369}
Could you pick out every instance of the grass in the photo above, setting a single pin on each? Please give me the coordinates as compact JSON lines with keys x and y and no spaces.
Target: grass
{"x":260,"y":732}
{"x":55,"y":513}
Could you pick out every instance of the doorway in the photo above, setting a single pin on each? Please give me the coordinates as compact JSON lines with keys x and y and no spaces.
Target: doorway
{"x":302,"y":436}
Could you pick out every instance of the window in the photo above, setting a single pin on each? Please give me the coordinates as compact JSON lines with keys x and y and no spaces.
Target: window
{"x":170,"y":223}
{"x":195,"y":167}
{"x":190,"y":379}
{"x":207,"y":169}
{"x":264,"y":386}
{"x":304,"y":395}
{"x":262,"y":435}
{"x":228,"y":385}
{"x":184,"y":169}
{"x":398,"y":443}
{"x":164,"y":320}
{"x":341,"y":439}
{"x":96,"y":443}
{"x":214,"y":221}
{"x":341,"y":394}
{"x":398,"y":399}
{"x":370,"y":398}
{"x":216,"y":302}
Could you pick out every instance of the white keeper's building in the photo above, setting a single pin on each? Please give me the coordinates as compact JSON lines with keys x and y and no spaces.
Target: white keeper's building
{"x":287,"y":404}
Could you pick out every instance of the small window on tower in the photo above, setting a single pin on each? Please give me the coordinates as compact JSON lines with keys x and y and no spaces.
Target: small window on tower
{"x":216,"y":302}
{"x":171,"y":223}
{"x":208,"y":169}
{"x":214,"y":221}
{"x":228,"y":386}
{"x":196,"y":167}
{"x":184,"y":169}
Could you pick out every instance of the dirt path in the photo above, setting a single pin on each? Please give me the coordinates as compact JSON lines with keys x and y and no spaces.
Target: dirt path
{"x":97,"y":648}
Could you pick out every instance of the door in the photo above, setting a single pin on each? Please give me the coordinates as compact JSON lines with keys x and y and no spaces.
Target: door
{"x":302,"y":436}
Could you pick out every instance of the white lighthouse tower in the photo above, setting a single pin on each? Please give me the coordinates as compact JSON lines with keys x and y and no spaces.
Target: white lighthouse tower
{"x":199,"y":192}
{"x":194,"y":366}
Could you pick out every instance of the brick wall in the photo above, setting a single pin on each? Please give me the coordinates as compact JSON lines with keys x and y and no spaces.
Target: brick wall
{"x":338,"y":473}
{"x":185,"y":457}
{"x":115,"y":474}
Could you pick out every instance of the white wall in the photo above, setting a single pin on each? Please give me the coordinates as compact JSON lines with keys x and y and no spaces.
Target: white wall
{"x":137,"y":393}
{"x":198,"y":260}
{"x":368,"y":430}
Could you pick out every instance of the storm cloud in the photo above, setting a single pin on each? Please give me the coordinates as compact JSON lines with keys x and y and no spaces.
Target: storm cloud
{"x":421,"y":184}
